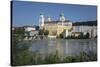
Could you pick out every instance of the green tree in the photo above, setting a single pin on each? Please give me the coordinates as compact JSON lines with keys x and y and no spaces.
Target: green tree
{"x":61,"y":35}
{"x":87,"y":35}
{"x":46,"y":32}
{"x":81,"y":35}
{"x":19,"y":32}
{"x":41,"y":31}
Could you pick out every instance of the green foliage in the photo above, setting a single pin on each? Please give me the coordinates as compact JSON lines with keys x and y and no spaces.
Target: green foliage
{"x":46,"y":32}
{"x":87,"y":35}
{"x":19,"y":31}
{"x":43,"y":32}
{"x":29,"y":58}
{"x":22,"y":56}
{"x":52,"y":58}
{"x":71,"y":59}
{"x":87,"y":23}
{"x":61,"y":36}
{"x":81,"y":36}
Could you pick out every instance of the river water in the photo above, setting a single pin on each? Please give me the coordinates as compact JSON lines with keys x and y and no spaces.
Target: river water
{"x":65,"y":47}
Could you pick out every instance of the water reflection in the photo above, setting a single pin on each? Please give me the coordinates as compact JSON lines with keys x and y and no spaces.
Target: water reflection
{"x":69,"y":47}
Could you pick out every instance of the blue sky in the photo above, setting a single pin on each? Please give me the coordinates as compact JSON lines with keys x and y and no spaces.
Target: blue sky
{"x":27,"y":13}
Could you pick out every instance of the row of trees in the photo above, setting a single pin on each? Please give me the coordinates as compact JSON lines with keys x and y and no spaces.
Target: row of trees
{"x":18,"y":33}
{"x":81,"y":36}
{"x":86,"y":23}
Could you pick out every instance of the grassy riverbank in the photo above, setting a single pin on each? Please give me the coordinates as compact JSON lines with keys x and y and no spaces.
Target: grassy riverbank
{"x":22,"y":56}
{"x":30,"y":58}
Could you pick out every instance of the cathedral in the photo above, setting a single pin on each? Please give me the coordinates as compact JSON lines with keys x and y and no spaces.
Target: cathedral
{"x":55,"y":27}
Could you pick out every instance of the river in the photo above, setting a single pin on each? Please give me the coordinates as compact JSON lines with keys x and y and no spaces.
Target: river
{"x":65,"y":47}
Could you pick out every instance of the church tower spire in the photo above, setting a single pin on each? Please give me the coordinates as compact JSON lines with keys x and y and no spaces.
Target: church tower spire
{"x":41,"y":20}
{"x":49,"y":19}
{"x":62,"y":18}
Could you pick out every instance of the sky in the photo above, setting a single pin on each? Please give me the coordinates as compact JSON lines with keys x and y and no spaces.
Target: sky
{"x":27,"y":13}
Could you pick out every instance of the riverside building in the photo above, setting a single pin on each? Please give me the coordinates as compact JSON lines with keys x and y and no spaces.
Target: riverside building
{"x":55,"y":28}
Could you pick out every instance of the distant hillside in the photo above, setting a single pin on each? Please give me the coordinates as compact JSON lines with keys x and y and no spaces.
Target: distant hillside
{"x":87,"y":23}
